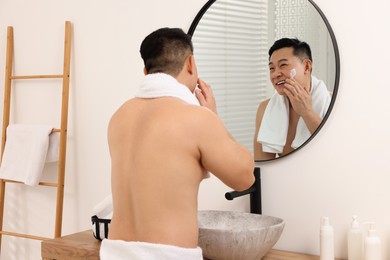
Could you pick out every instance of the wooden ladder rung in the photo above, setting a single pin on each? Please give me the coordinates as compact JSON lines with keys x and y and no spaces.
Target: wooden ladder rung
{"x":48,"y":184}
{"x":23,"y":235}
{"x":38,"y":77}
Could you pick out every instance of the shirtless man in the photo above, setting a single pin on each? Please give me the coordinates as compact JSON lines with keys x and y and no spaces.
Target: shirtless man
{"x":161,"y":149}
{"x":284,"y":56}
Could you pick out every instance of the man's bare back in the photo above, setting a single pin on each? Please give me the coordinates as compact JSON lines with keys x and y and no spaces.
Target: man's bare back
{"x":156,"y":147}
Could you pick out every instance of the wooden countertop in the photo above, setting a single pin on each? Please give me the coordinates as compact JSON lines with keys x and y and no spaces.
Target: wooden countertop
{"x":285,"y":255}
{"x":83,"y":245}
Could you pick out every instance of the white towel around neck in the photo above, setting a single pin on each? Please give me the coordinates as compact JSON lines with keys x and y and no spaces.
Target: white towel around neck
{"x":26,"y":151}
{"x":274,"y":126}
{"x":163,"y":85}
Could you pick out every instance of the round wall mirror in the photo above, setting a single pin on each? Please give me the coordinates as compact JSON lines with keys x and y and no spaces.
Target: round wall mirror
{"x":231,"y":42}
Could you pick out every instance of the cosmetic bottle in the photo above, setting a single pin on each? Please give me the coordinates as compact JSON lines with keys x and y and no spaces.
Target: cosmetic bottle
{"x":355,"y":241}
{"x":372,"y":244}
{"x":326,"y":240}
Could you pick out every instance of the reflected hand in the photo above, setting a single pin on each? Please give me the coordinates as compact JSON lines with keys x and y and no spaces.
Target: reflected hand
{"x":299,"y":97}
{"x":205,"y":95}
{"x":301,"y":102}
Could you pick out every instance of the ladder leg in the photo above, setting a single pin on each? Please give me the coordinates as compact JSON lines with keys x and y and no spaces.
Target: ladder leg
{"x":6,"y":113}
{"x":2,"y":197}
{"x":63,"y":133}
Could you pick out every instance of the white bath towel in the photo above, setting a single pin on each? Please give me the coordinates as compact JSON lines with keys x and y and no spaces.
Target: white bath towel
{"x":25,"y":153}
{"x":123,"y":250}
{"x":163,"y":85}
{"x":53,"y":151}
{"x":274,"y":126}
{"x":104,"y":208}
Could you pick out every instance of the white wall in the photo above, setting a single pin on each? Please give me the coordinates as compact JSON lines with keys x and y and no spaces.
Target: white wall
{"x":343,"y":171}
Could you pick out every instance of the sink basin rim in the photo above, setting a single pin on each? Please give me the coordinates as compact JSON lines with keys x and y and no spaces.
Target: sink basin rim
{"x":278,"y":221}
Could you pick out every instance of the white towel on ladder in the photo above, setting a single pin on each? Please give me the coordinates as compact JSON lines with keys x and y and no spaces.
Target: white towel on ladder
{"x":25,"y":153}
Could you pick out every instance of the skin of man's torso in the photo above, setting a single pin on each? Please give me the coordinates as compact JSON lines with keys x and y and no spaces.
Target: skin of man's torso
{"x":156,"y":171}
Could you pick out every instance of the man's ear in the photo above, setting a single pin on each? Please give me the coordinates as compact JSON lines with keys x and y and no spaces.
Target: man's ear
{"x":190,"y":63}
{"x":308,"y":66}
{"x":145,"y":71}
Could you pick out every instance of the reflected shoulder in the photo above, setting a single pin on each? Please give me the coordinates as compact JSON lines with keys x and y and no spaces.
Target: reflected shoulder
{"x":262,"y":106}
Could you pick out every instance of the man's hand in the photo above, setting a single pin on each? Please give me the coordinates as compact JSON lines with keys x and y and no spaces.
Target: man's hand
{"x":205,"y":95}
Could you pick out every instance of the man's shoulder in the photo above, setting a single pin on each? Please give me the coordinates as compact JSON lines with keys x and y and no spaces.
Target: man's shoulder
{"x":198,"y":112}
{"x":263,"y":104}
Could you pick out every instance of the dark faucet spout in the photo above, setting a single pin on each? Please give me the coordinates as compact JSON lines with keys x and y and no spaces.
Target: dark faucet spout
{"x":254,"y":191}
{"x":235,"y":194}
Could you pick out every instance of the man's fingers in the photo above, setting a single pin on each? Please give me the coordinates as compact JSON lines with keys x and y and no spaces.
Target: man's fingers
{"x":200,"y":97}
{"x":205,"y":96}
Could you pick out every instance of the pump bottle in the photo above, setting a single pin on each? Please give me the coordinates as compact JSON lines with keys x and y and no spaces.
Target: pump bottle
{"x":355,"y":241}
{"x":326,"y":240}
{"x":372,"y":244}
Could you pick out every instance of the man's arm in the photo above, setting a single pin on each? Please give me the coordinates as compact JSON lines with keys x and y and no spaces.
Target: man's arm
{"x":220,"y":153}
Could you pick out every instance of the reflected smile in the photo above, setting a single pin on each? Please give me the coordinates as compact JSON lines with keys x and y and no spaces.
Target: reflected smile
{"x":281,"y":82}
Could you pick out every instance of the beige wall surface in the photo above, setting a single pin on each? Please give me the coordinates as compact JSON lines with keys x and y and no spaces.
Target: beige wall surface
{"x":342,"y":172}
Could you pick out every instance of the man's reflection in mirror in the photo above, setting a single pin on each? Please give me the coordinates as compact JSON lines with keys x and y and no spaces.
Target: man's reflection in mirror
{"x":287,"y":119}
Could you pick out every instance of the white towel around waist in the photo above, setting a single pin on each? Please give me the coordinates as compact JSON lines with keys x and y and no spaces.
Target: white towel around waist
{"x":163,"y":85}
{"x":123,"y":250}
{"x":274,"y":126}
{"x":26,"y":151}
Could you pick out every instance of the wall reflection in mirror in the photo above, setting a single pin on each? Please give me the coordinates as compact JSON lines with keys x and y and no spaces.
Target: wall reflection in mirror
{"x":231,"y":40}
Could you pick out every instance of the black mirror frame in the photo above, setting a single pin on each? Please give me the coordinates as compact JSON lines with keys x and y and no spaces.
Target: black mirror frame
{"x":203,"y":10}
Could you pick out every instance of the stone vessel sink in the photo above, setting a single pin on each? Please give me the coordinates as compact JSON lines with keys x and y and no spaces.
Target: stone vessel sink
{"x":228,"y":235}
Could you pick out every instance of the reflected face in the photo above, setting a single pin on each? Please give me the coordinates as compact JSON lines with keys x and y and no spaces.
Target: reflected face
{"x":281,"y":63}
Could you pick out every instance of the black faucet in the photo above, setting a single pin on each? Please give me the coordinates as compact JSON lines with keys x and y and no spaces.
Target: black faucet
{"x":254,"y":191}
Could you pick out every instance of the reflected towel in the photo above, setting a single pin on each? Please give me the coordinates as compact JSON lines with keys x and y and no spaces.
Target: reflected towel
{"x":163,"y":85}
{"x":25,"y":153}
{"x":274,"y":126}
{"x":121,"y":250}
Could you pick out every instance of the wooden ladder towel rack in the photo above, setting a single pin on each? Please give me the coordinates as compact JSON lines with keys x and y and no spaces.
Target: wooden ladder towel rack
{"x":62,"y":130}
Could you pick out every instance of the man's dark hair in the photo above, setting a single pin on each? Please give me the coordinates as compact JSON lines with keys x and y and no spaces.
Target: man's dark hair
{"x":300,"y":49}
{"x":165,"y":50}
